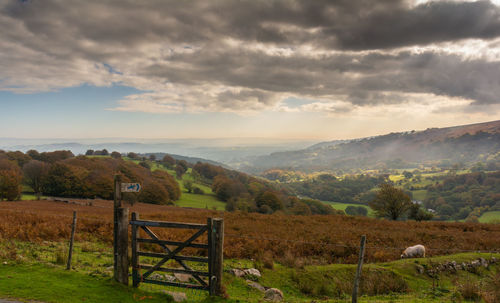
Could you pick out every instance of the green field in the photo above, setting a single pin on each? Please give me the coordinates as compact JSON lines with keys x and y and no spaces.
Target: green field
{"x":27,"y":197}
{"x":490,"y":217}
{"x":419,"y":194}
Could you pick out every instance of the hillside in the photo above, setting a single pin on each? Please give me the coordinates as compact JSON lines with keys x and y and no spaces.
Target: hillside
{"x":465,"y":144}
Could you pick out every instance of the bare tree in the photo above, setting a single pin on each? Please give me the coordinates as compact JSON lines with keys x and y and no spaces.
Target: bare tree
{"x":34,"y":174}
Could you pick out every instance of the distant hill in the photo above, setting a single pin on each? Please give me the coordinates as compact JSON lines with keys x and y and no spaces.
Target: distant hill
{"x":192,"y":160}
{"x":433,"y":146}
{"x":230,"y":151}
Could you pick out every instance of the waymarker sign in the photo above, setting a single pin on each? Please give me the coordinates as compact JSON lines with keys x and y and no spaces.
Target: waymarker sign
{"x":130,"y":187}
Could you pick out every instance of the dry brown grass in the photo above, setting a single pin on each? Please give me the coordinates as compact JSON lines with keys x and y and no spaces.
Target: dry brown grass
{"x":323,"y":238}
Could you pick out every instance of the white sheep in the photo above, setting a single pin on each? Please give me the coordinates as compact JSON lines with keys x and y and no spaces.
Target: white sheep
{"x":417,"y":251}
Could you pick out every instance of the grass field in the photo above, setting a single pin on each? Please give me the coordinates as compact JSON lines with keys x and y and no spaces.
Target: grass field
{"x":490,"y":217}
{"x":28,"y":197}
{"x":419,"y":194}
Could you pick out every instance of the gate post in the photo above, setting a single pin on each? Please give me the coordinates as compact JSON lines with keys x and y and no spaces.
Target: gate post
{"x":116,"y":205}
{"x":122,"y":246}
{"x":135,"y":248}
{"x":218,"y":257}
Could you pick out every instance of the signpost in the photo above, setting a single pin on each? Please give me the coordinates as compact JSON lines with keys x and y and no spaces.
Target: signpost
{"x":130,"y":187}
{"x":120,"y":245}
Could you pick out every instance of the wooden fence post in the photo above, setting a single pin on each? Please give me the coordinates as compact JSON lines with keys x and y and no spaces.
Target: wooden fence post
{"x":218,"y":257}
{"x":358,"y":271}
{"x":122,"y":246}
{"x":70,"y":253}
{"x":116,"y":205}
{"x":135,"y":248}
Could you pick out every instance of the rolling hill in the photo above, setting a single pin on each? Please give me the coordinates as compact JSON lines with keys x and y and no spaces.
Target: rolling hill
{"x":433,"y":146}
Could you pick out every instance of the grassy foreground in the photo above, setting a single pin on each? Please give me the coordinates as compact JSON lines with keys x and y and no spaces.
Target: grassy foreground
{"x":37,"y":272}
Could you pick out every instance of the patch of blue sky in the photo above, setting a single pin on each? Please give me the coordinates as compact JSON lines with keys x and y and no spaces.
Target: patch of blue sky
{"x":293,"y":102}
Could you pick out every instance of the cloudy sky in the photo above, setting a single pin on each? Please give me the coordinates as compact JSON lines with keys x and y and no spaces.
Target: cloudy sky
{"x":226,"y":68}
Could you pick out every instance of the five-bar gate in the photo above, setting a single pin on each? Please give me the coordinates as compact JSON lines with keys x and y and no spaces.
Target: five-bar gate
{"x":210,"y":280}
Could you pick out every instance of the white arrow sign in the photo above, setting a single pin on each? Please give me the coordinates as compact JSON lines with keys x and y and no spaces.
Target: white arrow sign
{"x":130,"y":187}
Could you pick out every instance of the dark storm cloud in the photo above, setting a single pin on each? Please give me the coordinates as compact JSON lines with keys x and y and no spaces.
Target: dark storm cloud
{"x":250,"y":52}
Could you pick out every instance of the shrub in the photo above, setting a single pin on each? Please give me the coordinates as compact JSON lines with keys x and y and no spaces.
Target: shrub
{"x":198,"y":191}
{"x":469,"y":290}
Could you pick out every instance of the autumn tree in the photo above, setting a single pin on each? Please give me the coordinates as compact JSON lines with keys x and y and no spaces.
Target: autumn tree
{"x":10,"y":181}
{"x":390,"y":202}
{"x":116,"y":155}
{"x":168,"y":161}
{"x":269,"y":200}
{"x":35,"y":173}
{"x":133,"y":155}
{"x":179,"y":171}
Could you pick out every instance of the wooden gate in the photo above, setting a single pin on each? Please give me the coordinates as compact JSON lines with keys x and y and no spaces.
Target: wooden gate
{"x":210,"y":280}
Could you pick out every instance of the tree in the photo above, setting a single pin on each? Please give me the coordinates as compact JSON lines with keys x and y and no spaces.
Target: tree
{"x":35,"y":173}
{"x":179,"y":171}
{"x":10,"y":181}
{"x":168,"y":161}
{"x":116,"y":155}
{"x":89,"y":152}
{"x":152,"y":157}
{"x":356,"y":210}
{"x":418,"y":214}
{"x":269,"y":199}
{"x":188,"y":185}
{"x":390,"y":202}
{"x":133,"y":155}
{"x":145,"y":164}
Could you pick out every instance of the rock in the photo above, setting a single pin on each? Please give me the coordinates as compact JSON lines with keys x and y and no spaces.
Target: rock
{"x":493,"y":260}
{"x":5,"y":263}
{"x":274,"y":295}
{"x":182,"y":277}
{"x":256,"y":285}
{"x":177,"y":296}
{"x":253,"y":272}
{"x":483,"y":262}
{"x":237,"y":272}
{"x":156,"y":277}
{"x":475,"y":263}
{"x":169,"y":278}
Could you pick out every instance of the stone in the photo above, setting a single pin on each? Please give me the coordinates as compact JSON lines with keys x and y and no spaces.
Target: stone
{"x":274,"y":295}
{"x":483,"y":262}
{"x":177,"y":296}
{"x":475,"y":263}
{"x":182,"y":277}
{"x":156,"y":277}
{"x":5,"y":263}
{"x":169,"y":278}
{"x":256,"y":285}
{"x":237,"y":272}
{"x":253,"y":272}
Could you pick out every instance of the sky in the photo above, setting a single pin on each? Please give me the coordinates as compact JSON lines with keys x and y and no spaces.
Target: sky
{"x":316,"y":70}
